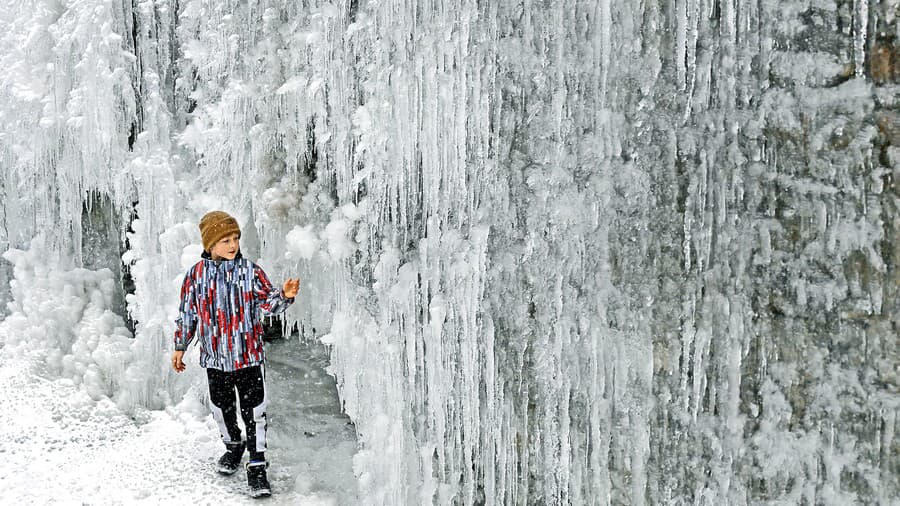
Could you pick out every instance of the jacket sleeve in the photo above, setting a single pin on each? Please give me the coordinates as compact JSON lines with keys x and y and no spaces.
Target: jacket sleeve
{"x":271,"y":300}
{"x":186,"y":324}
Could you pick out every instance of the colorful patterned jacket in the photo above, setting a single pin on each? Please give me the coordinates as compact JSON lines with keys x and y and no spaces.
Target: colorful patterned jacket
{"x":221,"y":303}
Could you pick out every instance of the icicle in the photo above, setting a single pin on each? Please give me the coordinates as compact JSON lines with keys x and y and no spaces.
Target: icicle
{"x":860,"y":35}
{"x":681,"y":38}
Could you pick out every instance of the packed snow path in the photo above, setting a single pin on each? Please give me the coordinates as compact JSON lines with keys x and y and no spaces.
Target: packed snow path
{"x":57,"y":446}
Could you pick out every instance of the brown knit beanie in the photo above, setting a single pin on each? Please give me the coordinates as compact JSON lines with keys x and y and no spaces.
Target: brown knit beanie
{"x":215,"y":225}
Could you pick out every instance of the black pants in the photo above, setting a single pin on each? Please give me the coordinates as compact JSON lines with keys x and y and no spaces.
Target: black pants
{"x":251,"y":388}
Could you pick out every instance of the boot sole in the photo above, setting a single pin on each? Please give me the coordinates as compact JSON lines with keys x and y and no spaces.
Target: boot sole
{"x":263,"y":492}
{"x":224,"y":471}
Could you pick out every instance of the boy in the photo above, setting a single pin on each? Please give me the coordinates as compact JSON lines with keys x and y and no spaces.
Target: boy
{"x":221,"y":297}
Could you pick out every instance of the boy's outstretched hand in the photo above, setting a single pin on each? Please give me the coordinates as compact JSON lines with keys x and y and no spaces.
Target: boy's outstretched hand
{"x":290,"y":288}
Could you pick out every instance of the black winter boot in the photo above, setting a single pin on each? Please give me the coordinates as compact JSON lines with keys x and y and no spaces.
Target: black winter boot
{"x":231,"y":459}
{"x":256,"y":478}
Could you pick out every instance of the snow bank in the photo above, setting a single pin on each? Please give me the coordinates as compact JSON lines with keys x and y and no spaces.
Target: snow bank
{"x":62,"y":322}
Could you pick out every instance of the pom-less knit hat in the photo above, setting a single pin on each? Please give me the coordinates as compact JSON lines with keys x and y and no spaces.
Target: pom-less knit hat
{"x":215,"y":225}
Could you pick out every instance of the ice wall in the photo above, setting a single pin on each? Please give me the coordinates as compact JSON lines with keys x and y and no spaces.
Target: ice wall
{"x":573,"y":252}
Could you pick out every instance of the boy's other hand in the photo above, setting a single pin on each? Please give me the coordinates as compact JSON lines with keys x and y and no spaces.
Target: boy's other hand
{"x":290,"y":288}
{"x":177,"y":363}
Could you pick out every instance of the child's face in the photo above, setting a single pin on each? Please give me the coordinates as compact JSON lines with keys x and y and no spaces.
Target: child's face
{"x":226,"y":248}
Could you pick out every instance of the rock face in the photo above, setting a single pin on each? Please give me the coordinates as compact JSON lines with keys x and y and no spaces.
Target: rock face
{"x":571,"y":252}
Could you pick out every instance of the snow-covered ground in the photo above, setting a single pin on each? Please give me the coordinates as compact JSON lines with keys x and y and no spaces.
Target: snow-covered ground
{"x":59,"y":446}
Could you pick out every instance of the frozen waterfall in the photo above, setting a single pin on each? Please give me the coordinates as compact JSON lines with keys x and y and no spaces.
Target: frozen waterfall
{"x":571,"y":252}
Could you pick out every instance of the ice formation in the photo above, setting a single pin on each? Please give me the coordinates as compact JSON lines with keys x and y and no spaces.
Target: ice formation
{"x":575,"y":252}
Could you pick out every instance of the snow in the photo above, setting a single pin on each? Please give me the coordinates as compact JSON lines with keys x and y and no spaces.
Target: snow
{"x":62,"y":447}
{"x":302,"y":241}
